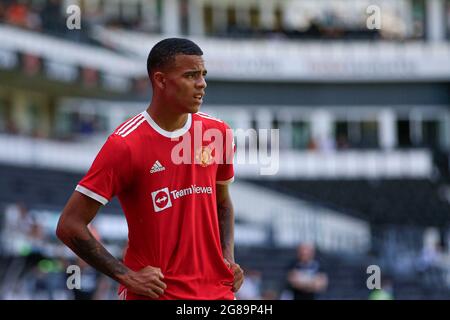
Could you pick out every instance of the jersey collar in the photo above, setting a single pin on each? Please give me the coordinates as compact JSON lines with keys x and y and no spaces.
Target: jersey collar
{"x":169,"y":134}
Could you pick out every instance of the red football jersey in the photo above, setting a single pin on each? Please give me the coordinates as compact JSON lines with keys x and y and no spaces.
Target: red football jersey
{"x":166,"y":184}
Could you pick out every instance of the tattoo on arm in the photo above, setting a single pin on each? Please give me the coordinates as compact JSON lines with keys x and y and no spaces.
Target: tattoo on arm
{"x":226,"y":226}
{"x":93,"y":253}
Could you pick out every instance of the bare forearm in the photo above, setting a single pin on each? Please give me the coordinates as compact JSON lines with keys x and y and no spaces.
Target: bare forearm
{"x":226,"y":227}
{"x":307,"y":283}
{"x":91,"y":251}
{"x":72,"y":229}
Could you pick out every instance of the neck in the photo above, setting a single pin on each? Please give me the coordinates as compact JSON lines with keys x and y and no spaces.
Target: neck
{"x":165,"y":117}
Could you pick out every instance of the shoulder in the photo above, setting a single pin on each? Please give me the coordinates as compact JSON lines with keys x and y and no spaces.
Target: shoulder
{"x":129,"y":127}
{"x":121,"y":139}
{"x":209,"y":121}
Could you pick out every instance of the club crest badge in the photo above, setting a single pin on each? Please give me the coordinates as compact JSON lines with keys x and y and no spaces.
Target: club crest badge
{"x":203,"y":156}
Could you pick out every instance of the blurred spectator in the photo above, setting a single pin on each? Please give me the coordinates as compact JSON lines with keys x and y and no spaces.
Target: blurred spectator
{"x":34,"y":267}
{"x":305,"y":278}
{"x":17,"y":14}
{"x":33,"y":20}
{"x":430,"y":265}
{"x":17,"y":225}
{"x":45,"y":280}
{"x":22,"y":242}
{"x":20,"y":14}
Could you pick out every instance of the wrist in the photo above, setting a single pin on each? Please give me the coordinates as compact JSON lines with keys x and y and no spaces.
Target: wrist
{"x":126,"y":277}
{"x":228,"y":256}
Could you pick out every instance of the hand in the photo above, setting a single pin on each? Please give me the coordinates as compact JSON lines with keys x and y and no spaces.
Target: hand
{"x":146,"y":282}
{"x":321,"y":282}
{"x":238,"y":275}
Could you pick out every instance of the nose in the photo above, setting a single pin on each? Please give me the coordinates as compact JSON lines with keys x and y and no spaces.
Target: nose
{"x":201,"y":82}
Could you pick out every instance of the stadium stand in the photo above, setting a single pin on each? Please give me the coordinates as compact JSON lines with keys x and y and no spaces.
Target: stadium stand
{"x":42,"y":188}
{"x":403,"y":202}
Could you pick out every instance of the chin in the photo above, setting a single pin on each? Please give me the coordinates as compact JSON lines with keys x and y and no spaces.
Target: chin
{"x":194,"y":108}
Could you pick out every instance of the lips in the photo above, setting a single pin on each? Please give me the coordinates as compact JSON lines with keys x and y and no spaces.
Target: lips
{"x":199,"y":97}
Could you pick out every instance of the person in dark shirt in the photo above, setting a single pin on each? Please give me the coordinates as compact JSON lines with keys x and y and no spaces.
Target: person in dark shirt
{"x":305,"y":278}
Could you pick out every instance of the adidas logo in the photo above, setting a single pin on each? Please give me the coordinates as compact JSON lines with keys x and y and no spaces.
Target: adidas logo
{"x":157,"y":166}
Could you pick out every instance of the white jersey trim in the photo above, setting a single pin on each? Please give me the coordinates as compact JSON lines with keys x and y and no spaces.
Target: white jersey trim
{"x":207,"y":116}
{"x":133,"y":128}
{"x":91,"y":194}
{"x":169,"y":134}
{"x":129,"y":125}
{"x":225,"y":182}
{"x":118,"y":130}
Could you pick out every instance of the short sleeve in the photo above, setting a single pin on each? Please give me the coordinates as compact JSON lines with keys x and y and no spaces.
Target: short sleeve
{"x":225,"y":170}
{"x":109,"y":173}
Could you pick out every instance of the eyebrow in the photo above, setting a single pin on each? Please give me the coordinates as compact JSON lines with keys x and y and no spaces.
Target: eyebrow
{"x":196,"y":72}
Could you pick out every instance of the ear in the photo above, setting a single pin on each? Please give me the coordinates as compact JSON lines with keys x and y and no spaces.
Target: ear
{"x":159,"y":80}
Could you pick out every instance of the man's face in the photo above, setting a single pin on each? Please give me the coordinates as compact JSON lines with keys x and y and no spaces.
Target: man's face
{"x":185,"y":83}
{"x":305,"y":252}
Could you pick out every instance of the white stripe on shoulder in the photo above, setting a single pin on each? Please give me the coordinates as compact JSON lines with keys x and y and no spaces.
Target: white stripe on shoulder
{"x":91,"y":194}
{"x":133,"y":128}
{"x":126,"y":123}
{"x":130,"y":125}
{"x":207,"y":116}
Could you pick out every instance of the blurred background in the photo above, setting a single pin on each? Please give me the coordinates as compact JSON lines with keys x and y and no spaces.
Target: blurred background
{"x":364,"y":136}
